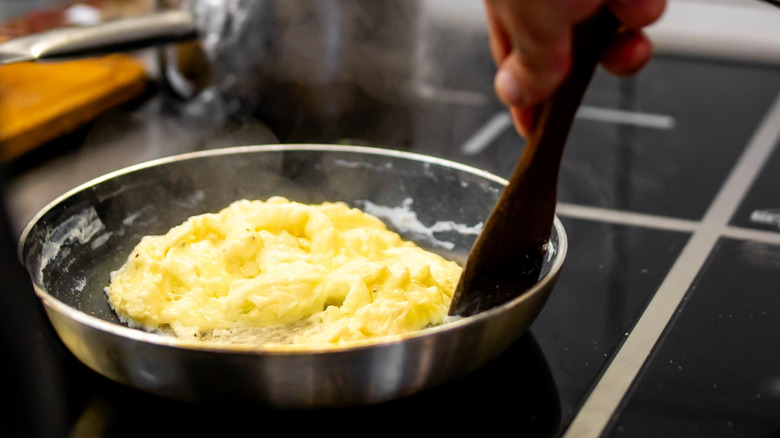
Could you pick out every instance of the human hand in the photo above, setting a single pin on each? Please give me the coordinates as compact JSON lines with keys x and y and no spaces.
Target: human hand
{"x":531,"y":40}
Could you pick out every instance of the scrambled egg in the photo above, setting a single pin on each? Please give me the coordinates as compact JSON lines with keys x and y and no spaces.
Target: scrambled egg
{"x":281,"y":272}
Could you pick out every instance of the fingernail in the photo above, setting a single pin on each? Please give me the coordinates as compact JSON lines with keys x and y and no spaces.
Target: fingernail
{"x":508,"y":88}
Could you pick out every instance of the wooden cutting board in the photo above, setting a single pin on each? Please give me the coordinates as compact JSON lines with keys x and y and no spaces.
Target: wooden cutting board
{"x":42,"y":101}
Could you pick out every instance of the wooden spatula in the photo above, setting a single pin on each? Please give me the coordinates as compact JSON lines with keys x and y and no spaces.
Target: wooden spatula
{"x":506,"y":258}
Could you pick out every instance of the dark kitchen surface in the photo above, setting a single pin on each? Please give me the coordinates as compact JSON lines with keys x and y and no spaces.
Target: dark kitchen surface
{"x":728,"y":384}
{"x":665,"y":319}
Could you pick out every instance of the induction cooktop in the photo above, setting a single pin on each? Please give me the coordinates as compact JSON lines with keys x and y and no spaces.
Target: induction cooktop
{"x":665,"y":320}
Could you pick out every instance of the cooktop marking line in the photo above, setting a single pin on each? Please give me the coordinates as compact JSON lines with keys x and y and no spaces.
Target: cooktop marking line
{"x":481,"y":139}
{"x":761,"y":236}
{"x":448,"y":95}
{"x":597,"y":214}
{"x":645,"y":120}
{"x":624,"y":217}
{"x":609,"y":391}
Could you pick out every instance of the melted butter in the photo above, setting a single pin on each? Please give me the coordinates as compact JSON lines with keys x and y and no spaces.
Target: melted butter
{"x":281,"y":272}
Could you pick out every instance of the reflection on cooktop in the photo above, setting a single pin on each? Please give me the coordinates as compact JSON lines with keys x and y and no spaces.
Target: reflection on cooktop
{"x":514,"y":391}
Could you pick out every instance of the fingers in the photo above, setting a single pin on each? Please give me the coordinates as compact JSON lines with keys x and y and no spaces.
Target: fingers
{"x":524,"y":119}
{"x":630,"y":49}
{"x":530,"y":41}
{"x":524,"y":79}
{"x":627,"y":53}
{"x":636,"y":14}
{"x":500,"y":45}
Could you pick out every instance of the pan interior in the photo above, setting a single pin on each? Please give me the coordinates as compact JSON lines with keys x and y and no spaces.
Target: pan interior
{"x":72,"y":247}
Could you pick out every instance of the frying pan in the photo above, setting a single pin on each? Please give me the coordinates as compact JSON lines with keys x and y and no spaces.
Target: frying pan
{"x":72,"y":245}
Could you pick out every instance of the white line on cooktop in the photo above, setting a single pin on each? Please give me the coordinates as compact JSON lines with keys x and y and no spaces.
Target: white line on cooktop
{"x":603,"y":401}
{"x":453,"y":96}
{"x":760,"y":236}
{"x":481,"y":139}
{"x":623,"y":117}
{"x":624,"y":217}
{"x":598,"y":214}
{"x":496,"y":125}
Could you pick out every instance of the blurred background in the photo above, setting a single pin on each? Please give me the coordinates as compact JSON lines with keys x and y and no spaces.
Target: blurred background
{"x":647,"y":157}
{"x":325,"y":72}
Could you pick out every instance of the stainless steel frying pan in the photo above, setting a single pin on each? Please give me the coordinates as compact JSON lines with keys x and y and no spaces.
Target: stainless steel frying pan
{"x":73,"y":244}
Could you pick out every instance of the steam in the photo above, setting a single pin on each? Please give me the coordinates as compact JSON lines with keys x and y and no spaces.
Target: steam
{"x":298,"y":52}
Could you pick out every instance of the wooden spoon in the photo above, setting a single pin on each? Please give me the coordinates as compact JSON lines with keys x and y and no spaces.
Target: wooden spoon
{"x":506,"y":258}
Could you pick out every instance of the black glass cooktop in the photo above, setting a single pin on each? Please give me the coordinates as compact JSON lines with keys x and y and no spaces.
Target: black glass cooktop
{"x":665,"y":319}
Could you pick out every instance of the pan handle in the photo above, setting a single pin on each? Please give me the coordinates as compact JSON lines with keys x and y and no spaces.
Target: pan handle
{"x":112,"y":36}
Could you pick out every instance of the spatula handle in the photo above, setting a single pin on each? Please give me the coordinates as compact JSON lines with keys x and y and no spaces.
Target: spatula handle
{"x":506,"y":258}
{"x":540,"y":163}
